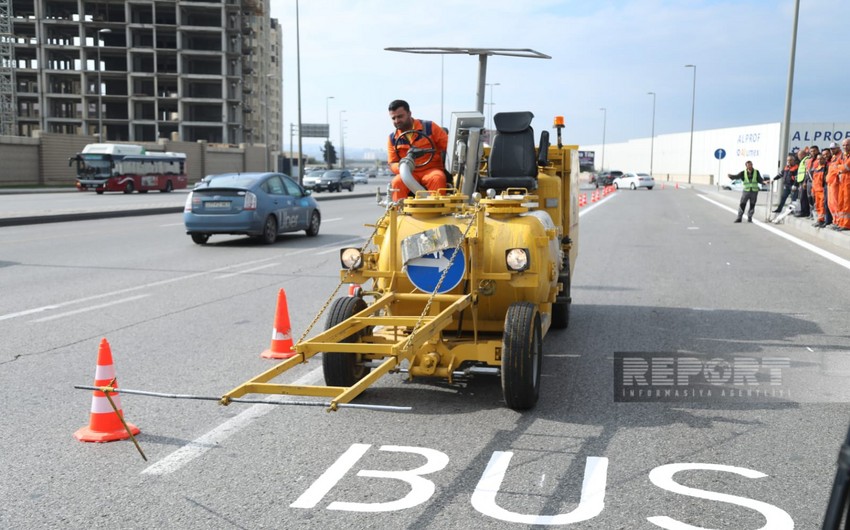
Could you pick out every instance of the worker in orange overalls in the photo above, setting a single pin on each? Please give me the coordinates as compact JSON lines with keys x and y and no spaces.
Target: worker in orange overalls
{"x":431,"y":175}
{"x":842,"y":217}
{"x":818,"y":185}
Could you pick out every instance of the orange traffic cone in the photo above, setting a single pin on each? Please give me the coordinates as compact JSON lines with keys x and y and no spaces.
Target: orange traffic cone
{"x":281,"y":347}
{"x":104,"y":424}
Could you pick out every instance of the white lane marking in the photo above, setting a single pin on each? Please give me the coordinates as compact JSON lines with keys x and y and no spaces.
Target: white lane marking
{"x":90,"y":308}
{"x":172,"y":224}
{"x":130,"y":289}
{"x":693,"y":228}
{"x":237,"y":273}
{"x":808,"y":246}
{"x":332,"y":220}
{"x":213,"y":438}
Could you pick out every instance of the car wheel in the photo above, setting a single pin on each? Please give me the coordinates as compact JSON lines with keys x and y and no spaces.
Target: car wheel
{"x":345,"y":369}
{"x":99,"y":192}
{"x":649,"y":187}
{"x":270,"y":230}
{"x":522,"y":356}
{"x":633,"y":186}
{"x":200,"y":239}
{"x":168,"y":187}
{"x":339,"y":188}
{"x":315,"y":222}
{"x":128,"y":188}
{"x":143,"y":191}
{"x":616,"y":186}
{"x":351,"y":188}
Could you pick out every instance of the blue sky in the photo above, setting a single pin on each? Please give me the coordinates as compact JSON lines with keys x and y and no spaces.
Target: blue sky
{"x":604,"y":54}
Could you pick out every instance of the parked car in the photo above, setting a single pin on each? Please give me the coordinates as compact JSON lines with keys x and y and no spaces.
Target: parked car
{"x":261,"y":205}
{"x":361,"y":178}
{"x":606,"y":178}
{"x":336,"y":180}
{"x":311,"y":178}
{"x":634,"y":181}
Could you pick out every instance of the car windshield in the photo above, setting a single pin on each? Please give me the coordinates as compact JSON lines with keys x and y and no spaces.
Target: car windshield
{"x":334,"y":174}
{"x":231,"y":181}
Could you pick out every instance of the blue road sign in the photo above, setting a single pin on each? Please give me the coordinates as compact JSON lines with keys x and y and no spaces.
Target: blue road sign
{"x":424,"y":272}
{"x":720,"y":154}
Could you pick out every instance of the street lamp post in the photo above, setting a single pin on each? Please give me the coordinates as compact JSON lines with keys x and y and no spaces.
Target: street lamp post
{"x":604,"y":121}
{"x":341,"y":142}
{"x":99,"y":97}
{"x":652,"y":141}
{"x":327,"y":116}
{"x":693,"y":106}
{"x":491,"y":85}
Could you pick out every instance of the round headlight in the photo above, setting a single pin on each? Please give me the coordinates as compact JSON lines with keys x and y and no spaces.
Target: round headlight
{"x":351,"y":258}
{"x":517,"y":259}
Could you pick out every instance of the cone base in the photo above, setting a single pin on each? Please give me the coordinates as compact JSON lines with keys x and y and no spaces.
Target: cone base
{"x":271,"y":354}
{"x":86,"y":434}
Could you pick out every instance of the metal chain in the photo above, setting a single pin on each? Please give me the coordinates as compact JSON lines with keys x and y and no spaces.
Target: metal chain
{"x":344,"y":278}
{"x":472,"y":219}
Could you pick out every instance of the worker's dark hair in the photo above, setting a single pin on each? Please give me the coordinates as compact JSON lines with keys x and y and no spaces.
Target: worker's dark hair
{"x":396,"y":103}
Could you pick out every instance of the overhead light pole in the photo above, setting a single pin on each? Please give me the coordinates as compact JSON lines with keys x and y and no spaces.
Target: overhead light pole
{"x":327,"y":116}
{"x":341,"y":141}
{"x":491,"y":85}
{"x":298,"y":63}
{"x":604,"y":121}
{"x":99,"y":90}
{"x":693,"y":106}
{"x":652,"y":140}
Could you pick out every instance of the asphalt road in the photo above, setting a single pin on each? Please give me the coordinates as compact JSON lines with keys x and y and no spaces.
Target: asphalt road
{"x":662,"y":273}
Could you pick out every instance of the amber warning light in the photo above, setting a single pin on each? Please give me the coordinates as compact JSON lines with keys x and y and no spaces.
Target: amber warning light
{"x":559,"y":121}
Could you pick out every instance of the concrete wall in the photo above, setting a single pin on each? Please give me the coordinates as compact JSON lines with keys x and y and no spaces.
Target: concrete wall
{"x":670,"y":154}
{"x":43,"y":160}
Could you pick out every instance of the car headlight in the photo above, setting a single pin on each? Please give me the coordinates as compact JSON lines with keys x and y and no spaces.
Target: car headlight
{"x":517,"y":259}
{"x":350,"y":258}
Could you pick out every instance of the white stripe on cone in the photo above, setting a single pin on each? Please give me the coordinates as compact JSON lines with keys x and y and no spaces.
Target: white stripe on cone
{"x":100,"y":405}
{"x":104,"y":372}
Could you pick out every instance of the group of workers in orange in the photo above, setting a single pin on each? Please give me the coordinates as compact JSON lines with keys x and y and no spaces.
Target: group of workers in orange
{"x":822,"y":182}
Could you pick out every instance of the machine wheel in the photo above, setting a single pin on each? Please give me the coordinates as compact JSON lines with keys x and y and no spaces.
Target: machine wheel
{"x":143,"y":191}
{"x":200,"y":239}
{"x":128,"y":188}
{"x":412,"y":135}
{"x":168,"y":187}
{"x":99,"y":192}
{"x":344,"y":369}
{"x":633,"y":186}
{"x":269,"y":230}
{"x":522,"y":356}
{"x":315,"y":223}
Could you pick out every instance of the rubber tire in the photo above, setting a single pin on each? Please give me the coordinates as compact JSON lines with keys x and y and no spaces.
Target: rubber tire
{"x":632,"y":186}
{"x":649,"y":187}
{"x":315,"y":223}
{"x":99,"y":192}
{"x":351,"y":188}
{"x":616,"y":186}
{"x":143,"y":191}
{"x":522,"y":356}
{"x":168,"y":187}
{"x":269,"y":235}
{"x":128,"y":188}
{"x":200,"y":239}
{"x":344,"y":369}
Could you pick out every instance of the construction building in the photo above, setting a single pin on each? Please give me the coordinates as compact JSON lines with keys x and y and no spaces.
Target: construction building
{"x":143,"y":70}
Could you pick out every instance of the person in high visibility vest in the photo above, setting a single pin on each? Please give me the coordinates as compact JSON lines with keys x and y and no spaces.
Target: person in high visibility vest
{"x":802,"y":182}
{"x":751,"y":179}
{"x":431,"y":175}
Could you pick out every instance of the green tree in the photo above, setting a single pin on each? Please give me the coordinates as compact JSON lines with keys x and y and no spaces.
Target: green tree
{"x":329,"y":154}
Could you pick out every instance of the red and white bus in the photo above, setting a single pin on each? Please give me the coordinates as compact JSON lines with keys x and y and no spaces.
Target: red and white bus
{"x":128,"y":168}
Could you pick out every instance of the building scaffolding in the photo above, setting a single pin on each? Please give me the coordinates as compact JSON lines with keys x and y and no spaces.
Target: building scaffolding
{"x":8,"y":101}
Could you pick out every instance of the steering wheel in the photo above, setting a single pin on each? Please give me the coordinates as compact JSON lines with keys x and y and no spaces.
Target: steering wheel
{"x":416,"y":152}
